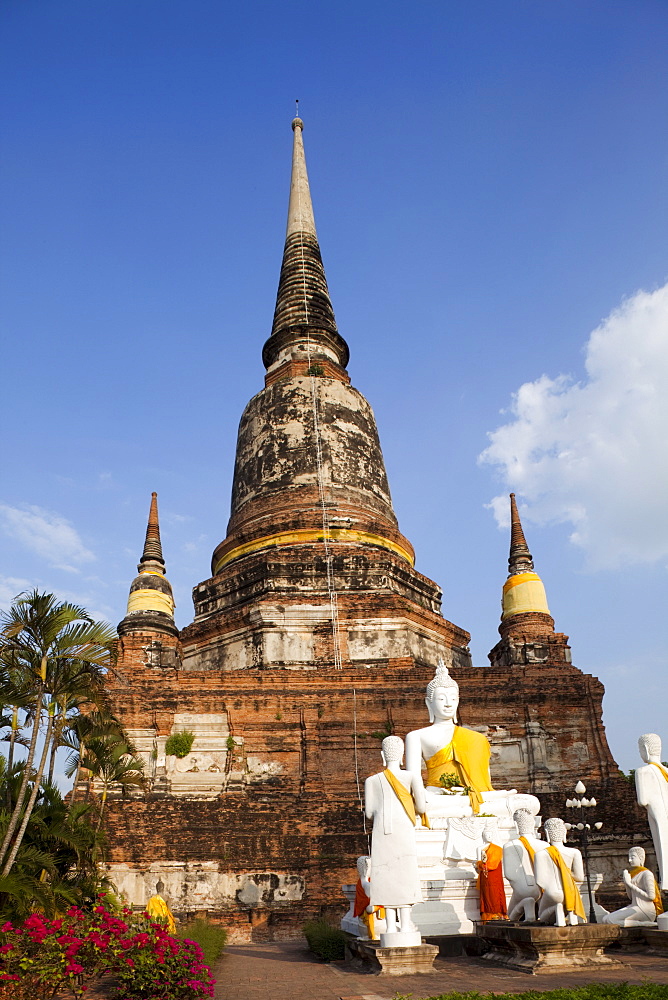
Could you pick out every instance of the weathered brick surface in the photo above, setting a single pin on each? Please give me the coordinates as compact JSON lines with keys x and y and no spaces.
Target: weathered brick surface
{"x":307,"y":819}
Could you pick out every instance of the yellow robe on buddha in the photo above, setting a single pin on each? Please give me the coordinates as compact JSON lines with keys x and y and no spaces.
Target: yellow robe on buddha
{"x":467,"y":757}
{"x":157,"y":909}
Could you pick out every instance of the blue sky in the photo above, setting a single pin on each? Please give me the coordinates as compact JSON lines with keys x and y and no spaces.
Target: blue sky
{"x":489,"y":182}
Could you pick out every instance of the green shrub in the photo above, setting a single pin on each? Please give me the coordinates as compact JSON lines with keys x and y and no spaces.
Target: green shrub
{"x":209,"y":937}
{"x":325,"y":941}
{"x":594,"y":991}
{"x":180,"y":744}
{"x":315,"y":370}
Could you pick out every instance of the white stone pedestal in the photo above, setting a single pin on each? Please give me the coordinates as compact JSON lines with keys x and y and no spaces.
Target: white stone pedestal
{"x":399,"y":939}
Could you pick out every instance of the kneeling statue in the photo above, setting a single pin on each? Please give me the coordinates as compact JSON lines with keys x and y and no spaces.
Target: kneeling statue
{"x":642,"y":890}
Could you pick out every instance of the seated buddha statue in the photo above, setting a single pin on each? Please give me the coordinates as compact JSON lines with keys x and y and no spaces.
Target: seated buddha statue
{"x":461,"y":756}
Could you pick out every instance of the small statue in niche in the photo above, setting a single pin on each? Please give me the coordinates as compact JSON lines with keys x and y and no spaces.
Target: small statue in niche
{"x":642,"y":890}
{"x":393,"y":799}
{"x":158,"y":910}
{"x":559,"y":873}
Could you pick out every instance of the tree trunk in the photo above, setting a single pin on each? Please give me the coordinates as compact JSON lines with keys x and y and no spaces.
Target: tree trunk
{"x":26,"y":775}
{"x":31,"y":801}
{"x":102,"y":805}
{"x":12,"y":738}
{"x":55,"y":746}
{"x":10,"y":755}
{"x":76,"y":776}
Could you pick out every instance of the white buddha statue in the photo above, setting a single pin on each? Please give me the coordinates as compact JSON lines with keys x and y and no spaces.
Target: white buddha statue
{"x":642,"y":890}
{"x":394,"y":800}
{"x":461,"y":757}
{"x":652,"y":793}
{"x":518,"y":867}
{"x":560,"y":873}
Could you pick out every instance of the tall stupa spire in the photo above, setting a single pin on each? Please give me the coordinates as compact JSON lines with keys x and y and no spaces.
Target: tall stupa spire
{"x":519,"y":560}
{"x":524,"y":602}
{"x":300,"y":207}
{"x":152,"y":545}
{"x":151,"y":602}
{"x":304,"y":330}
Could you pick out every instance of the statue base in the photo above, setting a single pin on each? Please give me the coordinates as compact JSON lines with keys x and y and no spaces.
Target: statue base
{"x":392,"y":961}
{"x":537,"y":948}
{"x":400,"y":939}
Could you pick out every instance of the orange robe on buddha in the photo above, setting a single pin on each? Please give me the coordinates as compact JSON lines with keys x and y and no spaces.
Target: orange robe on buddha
{"x":490,"y":885}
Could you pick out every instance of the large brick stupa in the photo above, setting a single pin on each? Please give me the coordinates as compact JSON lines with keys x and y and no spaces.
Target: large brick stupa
{"x":313,"y":638}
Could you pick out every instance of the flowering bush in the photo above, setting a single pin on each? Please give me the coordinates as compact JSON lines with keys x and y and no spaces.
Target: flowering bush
{"x":41,"y":956}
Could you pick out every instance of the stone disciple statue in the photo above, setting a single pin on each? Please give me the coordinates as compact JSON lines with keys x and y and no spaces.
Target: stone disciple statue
{"x":394,"y":799}
{"x":362,"y":908}
{"x":458,"y":755}
{"x":559,"y":873}
{"x":642,"y":890}
{"x":490,"y":876}
{"x":652,"y":793}
{"x":518,"y":867}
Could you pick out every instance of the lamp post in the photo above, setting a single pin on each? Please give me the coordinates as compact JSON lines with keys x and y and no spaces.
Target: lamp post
{"x":581,"y":803}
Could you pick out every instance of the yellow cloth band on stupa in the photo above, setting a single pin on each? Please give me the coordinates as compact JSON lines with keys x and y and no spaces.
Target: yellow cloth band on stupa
{"x":150,"y":600}
{"x":467,"y":757}
{"x":572,"y":898}
{"x":301,"y":536}
{"x":524,"y":592}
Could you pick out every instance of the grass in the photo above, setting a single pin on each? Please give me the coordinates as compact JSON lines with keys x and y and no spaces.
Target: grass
{"x":594,"y":991}
{"x":209,"y":937}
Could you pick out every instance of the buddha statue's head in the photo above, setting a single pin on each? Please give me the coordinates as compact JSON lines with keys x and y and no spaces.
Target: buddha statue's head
{"x":442,"y":695}
{"x":524,"y":822}
{"x":490,"y":831}
{"x":364,"y":866}
{"x":555,"y":831}
{"x":392,"y":749}
{"x":637,"y":857}
{"x":649,"y":745}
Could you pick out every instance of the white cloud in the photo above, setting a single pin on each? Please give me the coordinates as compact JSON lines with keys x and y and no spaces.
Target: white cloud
{"x":11,"y":587}
{"x":47,"y":534}
{"x":593,"y":453}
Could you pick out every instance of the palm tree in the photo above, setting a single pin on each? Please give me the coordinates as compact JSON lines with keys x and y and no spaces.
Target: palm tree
{"x":80,"y":729}
{"x":60,"y":649}
{"x":111,"y":761}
